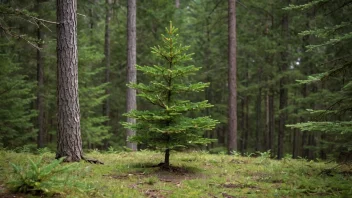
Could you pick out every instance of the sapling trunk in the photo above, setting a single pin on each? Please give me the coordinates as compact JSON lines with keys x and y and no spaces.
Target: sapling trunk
{"x":167,"y":157}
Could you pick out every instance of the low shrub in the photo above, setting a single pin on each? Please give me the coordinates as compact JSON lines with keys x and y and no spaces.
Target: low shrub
{"x":39,"y":178}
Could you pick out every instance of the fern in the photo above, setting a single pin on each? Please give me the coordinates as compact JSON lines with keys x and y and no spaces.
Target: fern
{"x":39,"y":178}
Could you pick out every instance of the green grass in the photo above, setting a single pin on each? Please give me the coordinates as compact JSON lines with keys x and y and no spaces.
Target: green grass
{"x":198,"y":174}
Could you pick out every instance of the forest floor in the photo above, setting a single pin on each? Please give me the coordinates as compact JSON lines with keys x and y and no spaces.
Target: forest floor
{"x":195,"y":174}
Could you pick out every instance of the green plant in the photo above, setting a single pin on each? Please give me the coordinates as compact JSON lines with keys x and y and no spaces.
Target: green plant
{"x":266,"y":154}
{"x":39,"y":178}
{"x":151,"y":180}
{"x":218,"y":150}
{"x":111,"y":150}
{"x":169,"y":125}
{"x":44,"y":150}
{"x":25,"y":148}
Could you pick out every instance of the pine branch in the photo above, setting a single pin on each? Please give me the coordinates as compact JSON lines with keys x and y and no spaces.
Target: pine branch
{"x":343,"y":5}
{"x":17,"y":36}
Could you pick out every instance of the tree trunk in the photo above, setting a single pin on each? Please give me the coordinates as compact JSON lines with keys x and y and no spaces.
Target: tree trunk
{"x":69,"y":143}
{"x":267,"y":121}
{"x":131,"y":66}
{"x":296,"y":141}
{"x":304,"y":93}
{"x":232,"y":123}
{"x":312,"y":143}
{"x":221,"y":135}
{"x":271,"y":121}
{"x":258,"y":108}
{"x":106,"y":104}
{"x":283,"y":90}
{"x":167,"y":158}
{"x":242,"y":126}
{"x":177,"y":3}
{"x":246,"y":115}
{"x":40,"y":80}
{"x":323,"y":154}
{"x":208,"y":90}
{"x":304,"y":135}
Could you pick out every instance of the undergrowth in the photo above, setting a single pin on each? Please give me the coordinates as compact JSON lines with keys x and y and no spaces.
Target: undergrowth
{"x":38,"y":177}
{"x":194,"y":174}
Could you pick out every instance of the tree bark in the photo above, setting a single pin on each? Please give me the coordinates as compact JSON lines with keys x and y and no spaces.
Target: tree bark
{"x":167,"y":158}
{"x":246,"y":116}
{"x":232,"y":119}
{"x":106,"y":105}
{"x":271,"y":127}
{"x":40,"y":81}
{"x":177,"y":3}
{"x":131,"y":66}
{"x":242,"y":126}
{"x":267,"y":121}
{"x":69,"y":143}
{"x":258,"y":111}
{"x":283,"y":90}
{"x":304,"y":135}
{"x":296,"y":138}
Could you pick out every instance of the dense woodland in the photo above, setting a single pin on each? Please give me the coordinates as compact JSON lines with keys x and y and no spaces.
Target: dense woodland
{"x":292,"y":85}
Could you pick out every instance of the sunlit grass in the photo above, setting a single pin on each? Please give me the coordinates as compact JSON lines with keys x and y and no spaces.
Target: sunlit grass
{"x":197,"y":174}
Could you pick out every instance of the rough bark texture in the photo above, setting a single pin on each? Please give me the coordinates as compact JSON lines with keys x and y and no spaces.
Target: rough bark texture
{"x":40,"y":81}
{"x":69,"y":143}
{"x":283,"y":90}
{"x":131,"y":66}
{"x":232,"y":119}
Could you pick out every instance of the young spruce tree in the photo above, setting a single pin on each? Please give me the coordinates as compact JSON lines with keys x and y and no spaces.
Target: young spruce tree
{"x":167,"y":126}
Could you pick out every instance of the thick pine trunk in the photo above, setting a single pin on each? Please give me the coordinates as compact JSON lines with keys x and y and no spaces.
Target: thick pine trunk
{"x":283,"y":90}
{"x":131,"y":66}
{"x":40,"y":81}
{"x":69,"y":143}
{"x":232,"y":119}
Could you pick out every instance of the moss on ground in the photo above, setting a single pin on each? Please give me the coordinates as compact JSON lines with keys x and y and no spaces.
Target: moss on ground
{"x":194,"y":174}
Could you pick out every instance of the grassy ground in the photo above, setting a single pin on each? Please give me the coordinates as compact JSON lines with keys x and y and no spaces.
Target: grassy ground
{"x":198,"y":174}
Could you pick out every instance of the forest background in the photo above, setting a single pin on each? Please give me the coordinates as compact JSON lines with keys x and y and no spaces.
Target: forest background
{"x":293,"y":78}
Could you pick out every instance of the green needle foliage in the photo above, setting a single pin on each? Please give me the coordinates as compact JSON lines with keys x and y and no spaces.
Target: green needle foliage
{"x":39,"y":178}
{"x":15,"y":99}
{"x":168,"y":126}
